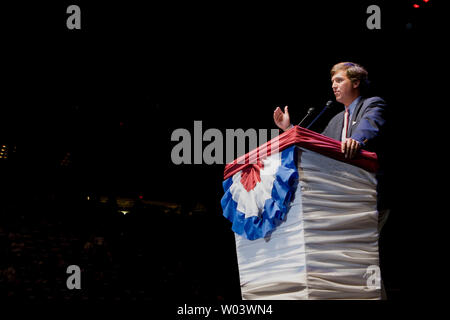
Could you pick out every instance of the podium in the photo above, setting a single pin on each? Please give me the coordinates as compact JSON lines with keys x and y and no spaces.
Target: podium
{"x":305,"y":219}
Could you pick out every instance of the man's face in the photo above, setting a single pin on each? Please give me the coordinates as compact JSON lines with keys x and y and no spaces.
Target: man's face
{"x":343,"y":88}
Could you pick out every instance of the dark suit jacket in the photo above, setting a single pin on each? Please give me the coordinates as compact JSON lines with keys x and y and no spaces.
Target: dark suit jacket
{"x":366,"y":125}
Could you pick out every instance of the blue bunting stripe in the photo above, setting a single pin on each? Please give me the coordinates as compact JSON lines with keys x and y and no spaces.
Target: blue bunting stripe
{"x":275,"y":208}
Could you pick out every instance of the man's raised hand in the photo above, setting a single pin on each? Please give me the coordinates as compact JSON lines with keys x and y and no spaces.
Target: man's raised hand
{"x":282,"y":120}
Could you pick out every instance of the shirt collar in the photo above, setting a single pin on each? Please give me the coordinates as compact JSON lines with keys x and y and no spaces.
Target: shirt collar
{"x":353,"y":105}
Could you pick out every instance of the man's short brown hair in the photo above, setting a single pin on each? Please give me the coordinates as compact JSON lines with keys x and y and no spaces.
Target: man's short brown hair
{"x":354,"y":72}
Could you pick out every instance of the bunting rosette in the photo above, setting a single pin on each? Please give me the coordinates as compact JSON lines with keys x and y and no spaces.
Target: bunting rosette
{"x":257,"y":198}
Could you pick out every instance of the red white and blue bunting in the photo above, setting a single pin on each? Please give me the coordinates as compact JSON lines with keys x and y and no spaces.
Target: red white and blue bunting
{"x":257,"y":198}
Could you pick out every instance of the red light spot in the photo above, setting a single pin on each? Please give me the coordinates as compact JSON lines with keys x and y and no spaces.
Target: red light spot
{"x":141,"y":197}
{"x":415,"y":5}
{"x":426,"y":1}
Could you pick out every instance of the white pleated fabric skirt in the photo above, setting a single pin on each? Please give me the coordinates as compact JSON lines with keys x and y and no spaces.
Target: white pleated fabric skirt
{"x":327,"y":247}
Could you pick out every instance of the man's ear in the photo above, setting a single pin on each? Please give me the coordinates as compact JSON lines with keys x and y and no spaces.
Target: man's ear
{"x":355,"y":84}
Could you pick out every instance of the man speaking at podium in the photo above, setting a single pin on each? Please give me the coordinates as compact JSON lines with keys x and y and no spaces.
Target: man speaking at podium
{"x":328,"y":246}
{"x":359,"y":126}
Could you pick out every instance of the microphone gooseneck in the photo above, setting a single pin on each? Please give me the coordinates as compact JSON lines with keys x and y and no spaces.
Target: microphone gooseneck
{"x":310,"y":110}
{"x":321,"y":112}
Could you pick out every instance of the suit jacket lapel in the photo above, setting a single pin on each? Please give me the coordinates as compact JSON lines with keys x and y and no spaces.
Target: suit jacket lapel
{"x":355,"y":115}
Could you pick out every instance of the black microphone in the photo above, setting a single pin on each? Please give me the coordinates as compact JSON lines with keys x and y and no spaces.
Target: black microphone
{"x":310,"y":110}
{"x":323,"y":110}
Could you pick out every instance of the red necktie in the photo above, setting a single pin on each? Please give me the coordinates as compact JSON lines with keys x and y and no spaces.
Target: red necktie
{"x":345,"y":127}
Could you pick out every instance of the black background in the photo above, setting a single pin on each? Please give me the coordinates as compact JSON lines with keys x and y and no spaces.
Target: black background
{"x":112,"y":93}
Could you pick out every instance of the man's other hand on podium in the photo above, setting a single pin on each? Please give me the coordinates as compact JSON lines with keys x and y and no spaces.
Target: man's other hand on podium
{"x":350,"y":147}
{"x":282,"y":119}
